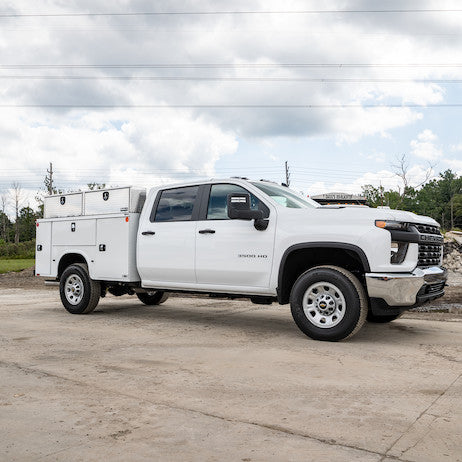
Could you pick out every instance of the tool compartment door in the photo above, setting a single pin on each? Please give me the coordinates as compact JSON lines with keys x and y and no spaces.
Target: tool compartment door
{"x":43,"y":249}
{"x":74,"y":232}
{"x":113,"y":250}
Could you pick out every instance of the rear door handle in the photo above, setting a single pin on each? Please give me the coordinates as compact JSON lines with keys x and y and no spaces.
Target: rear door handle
{"x":148,"y":233}
{"x":207,"y":231}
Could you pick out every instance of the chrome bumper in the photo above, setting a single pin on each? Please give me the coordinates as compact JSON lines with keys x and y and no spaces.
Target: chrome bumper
{"x":401,"y":289}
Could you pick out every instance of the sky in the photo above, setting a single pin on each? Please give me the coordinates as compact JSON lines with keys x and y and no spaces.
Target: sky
{"x":147,"y":93}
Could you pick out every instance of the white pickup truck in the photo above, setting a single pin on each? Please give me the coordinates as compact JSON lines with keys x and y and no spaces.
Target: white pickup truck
{"x":236,"y":238}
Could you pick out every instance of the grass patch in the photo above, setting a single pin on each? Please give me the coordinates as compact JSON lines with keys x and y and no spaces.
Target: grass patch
{"x":16,"y":264}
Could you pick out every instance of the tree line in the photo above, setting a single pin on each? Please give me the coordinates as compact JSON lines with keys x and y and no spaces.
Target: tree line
{"x":22,"y":227}
{"x":439,"y":198}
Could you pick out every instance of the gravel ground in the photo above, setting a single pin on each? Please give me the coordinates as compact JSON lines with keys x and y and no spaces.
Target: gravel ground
{"x":213,"y":380}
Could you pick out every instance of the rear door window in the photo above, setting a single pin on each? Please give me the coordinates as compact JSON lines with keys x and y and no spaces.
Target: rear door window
{"x":175,"y":205}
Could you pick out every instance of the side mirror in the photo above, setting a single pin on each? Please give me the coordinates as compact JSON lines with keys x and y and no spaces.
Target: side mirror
{"x":239,"y":209}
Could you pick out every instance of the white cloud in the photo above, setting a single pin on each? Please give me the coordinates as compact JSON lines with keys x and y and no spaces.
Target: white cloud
{"x":145,"y":146}
{"x":456,"y":147}
{"x":116,"y":148}
{"x":386,"y":178}
{"x":264,"y":39}
{"x":455,"y":165}
{"x":351,"y":125}
{"x":424,"y":146}
{"x":379,"y":157}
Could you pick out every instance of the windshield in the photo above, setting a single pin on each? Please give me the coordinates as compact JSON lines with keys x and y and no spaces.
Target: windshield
{"x":286,"y":196}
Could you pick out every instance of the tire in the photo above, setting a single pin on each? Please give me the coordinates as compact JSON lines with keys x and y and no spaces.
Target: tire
{"x":328,"y":303}
{"x":382,"y":319}
{"x":79,"y":294}
{"x":152,"y":298}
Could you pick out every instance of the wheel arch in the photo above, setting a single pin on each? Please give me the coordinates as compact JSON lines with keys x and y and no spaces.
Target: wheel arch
{"x":300,"y":257}
{"x":69,"y":259}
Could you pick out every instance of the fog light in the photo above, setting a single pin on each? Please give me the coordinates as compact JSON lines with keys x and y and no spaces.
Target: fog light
{"x":398,"y":252}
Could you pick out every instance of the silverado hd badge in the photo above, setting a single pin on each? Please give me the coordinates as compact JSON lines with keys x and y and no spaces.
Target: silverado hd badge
{"x":431,"y":238}
{"x":251,"y":255}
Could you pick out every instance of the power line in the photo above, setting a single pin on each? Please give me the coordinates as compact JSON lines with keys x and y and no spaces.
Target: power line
{"x":226,"y":79}
{"x":138,"y":29}
{"x":233,"y":106}
{"x":217,"y":13}
{"x":229,"y":65}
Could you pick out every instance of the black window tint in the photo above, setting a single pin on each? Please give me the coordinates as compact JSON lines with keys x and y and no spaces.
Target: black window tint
{"x":176,"y":204}
{"x":218,"y":201}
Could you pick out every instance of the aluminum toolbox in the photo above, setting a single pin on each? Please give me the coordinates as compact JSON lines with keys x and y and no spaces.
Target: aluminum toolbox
{"x":98,"y":202}
{"x":63,"y":205}
{"x":114,"y":200}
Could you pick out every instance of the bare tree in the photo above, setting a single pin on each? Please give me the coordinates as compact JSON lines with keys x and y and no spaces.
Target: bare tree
{"x":17,"y":196}
{"x":401,"y":170}
{"x":3,"y":204}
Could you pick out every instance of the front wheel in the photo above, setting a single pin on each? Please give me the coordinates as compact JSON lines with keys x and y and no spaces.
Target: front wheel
{"x":152,"y":298}
{"x":328,"y":303}
{"x":79,"y":294}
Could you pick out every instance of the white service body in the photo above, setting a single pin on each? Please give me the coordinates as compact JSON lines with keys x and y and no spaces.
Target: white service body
{"x":103,"y":233}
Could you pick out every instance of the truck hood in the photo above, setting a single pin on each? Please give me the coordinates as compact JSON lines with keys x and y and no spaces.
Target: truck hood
{"x":370,"y":214}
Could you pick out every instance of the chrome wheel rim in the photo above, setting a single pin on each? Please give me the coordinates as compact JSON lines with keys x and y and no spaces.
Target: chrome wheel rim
{"x":324,"y":305}
{"x":73,"y":289}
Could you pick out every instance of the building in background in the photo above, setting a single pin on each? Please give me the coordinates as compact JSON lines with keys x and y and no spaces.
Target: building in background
{"x":336,"y":198}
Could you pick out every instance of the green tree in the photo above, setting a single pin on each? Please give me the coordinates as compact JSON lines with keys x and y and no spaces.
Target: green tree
{"x":26,"y":224}
{"x":436,"y":198}
{"x":380,"y":197}
{"x":6,"y":227}
{"x":440,"y":198}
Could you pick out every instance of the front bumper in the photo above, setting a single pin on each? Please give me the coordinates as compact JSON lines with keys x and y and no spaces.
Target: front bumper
{"x":407,"y":289}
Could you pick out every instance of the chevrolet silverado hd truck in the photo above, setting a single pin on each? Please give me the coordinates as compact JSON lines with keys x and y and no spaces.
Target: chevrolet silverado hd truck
{"x":235,"y":238}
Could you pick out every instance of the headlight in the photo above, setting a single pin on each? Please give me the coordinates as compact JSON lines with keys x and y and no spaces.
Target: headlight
{"x":390,"y":224}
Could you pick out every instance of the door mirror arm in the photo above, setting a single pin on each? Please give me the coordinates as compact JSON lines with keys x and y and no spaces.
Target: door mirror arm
{"x":261,"y":224}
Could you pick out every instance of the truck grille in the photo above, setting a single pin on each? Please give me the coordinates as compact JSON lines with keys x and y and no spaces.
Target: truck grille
{"x":427,"y":229}
{"x":429,"y":254}
{"x":430,"y":249}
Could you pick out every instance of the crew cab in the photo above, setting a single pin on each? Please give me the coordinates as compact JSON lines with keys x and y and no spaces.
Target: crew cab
{"x":236,"y":238}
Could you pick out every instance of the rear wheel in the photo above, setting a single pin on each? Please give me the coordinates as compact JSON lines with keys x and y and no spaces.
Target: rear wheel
{"x":79,"y":294}
{"x":152,"y":298}
{"x":328,"y":303}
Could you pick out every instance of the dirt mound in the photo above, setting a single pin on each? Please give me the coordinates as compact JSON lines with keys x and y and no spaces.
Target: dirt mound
{"x":21,"y":279}
{"x":452,"y":260}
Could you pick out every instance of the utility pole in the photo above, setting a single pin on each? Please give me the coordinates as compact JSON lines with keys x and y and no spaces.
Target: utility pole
{"x":287,"y":174}
{"x":50,"y":179}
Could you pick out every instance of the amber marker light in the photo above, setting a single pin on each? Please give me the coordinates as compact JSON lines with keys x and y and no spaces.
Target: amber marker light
{"x":380,"y":223}
{"x":127,"y":219}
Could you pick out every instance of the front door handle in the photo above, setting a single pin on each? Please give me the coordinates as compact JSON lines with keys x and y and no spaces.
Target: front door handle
{"x":207,"y":231}
{"x":148,"y":233}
